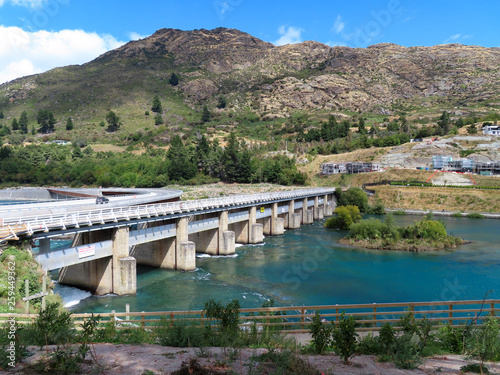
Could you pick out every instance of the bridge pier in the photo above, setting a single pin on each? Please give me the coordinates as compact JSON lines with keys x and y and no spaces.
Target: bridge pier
{"x":185,"y":250}
{"x":256,"y":230}
{"x":328,"y":205}
{"x":116,"y":274}
{"x":220,"y":241}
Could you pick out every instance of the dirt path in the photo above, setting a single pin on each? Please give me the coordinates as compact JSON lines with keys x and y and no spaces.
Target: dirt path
{"x":136,"y":359}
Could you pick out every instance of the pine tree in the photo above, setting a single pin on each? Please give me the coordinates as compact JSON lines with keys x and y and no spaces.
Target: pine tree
{"x":157,"y":107}
{"x":205,"y":116}
{"x":113,"y":121}
{"x":444,"y":123}
{"x":174,"y":81}
{"x":23,"y":122}
{"x":181,"y":166}
{"x":158,"y":119}
{"x":46,"y":120}
{"x":222,"y":102}
{"x":69,"y":124}
{"x":361,"y":126}
{"x":15,"y":124}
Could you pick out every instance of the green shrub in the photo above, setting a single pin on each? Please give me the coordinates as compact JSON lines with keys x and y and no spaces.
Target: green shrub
{"x":321,"y":334}
{"x":53,"y":326}
{"x":170,"y":333}
{"x":377,"y":209}
{"x":484,"y":342}
{"x":369,"y":345}
{"x":345,"y":217}
{"x":475,"y":215}
{"x":386,"y":340}
{"x":475,"y":368}
{"x":453,"y":339}
{"x":344,"y":337}
{"x":406,"y":353}
{"x":280,"y":362}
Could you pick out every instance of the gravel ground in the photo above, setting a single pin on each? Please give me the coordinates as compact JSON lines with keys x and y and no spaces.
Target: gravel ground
{"x":136,"y":359}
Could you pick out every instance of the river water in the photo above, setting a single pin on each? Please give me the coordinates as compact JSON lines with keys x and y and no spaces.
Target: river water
{"x":309,"y":267}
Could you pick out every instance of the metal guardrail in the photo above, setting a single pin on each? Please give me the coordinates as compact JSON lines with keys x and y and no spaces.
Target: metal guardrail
{"x":297,"y":319}
{"x":10,"y":228}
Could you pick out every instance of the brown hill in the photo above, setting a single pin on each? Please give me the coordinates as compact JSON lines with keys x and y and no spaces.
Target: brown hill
{"x":256,"y":76}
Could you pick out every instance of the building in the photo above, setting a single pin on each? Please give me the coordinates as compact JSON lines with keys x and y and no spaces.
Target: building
{"x":349,"y":168}
{"x":440,"y":162}
{"x":491,"y":130}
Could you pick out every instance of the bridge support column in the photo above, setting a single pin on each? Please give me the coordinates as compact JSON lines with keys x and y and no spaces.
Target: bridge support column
{"x":307,"y":214}
{"x":185,"y":250}
{"x":124,"y":266}
{"x":295,"y":222}
{"x":226,"y":238}
{"x":256,"y":230}
{"x":327,"y":204}
{"x":294,"y":219}
{"x":316,"y":208}
{"x":277,"y":223}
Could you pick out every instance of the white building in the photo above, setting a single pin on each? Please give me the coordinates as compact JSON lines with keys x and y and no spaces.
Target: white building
{"x":491,"y":130}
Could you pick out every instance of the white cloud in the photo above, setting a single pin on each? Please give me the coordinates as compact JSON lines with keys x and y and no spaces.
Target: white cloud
{"x":23,"y":53}
{"x":136,"y":36}
{"x":452,"y":38}
{"x":334,"y":43}
{"x":456,"y":38}
{"x":290,"y":35}
{"x":25,"y":3}
{"x":339,"y":25}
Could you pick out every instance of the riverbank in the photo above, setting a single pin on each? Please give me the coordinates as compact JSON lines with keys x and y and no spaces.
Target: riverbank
{"x":487,"y":215}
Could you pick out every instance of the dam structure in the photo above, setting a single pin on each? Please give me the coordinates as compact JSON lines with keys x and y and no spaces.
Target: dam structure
{"x":150,"y":227}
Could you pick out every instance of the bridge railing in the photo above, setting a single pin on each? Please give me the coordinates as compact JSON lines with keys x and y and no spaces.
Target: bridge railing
{"x":43,"y":223}
{"x":298,"y":319}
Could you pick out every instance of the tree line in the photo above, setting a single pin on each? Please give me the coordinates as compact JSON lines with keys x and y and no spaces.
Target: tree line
{"x":195,"y":163}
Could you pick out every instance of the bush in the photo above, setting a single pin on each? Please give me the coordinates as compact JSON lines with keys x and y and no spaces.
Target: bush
{"x":475,"y":215}
{"x":226,"y":317}
{"x":406,"y":353}
{"x":352,"y":197}
{"x":280,"y":362}
{"x":53,"y":326}
{"x":346,"y":216}
{"x":321,"y":334}
{"x":344,"y":337}
{"x":377,"y":209}
{"x":375,"y":229}
{"x":178,"y":335}
{"x":386,"y":340}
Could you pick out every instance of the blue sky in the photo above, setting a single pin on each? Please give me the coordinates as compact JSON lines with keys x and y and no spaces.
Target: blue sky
{"x":37,"y":35}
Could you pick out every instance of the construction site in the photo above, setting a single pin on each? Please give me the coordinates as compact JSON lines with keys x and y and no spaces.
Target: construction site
{"x":348,"y":168}
{"x":446,"y":163}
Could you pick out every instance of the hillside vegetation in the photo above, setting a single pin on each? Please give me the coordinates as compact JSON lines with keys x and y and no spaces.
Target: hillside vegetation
{"x":256,"y":88}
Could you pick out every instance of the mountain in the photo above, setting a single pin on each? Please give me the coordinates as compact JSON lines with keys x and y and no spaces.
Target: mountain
{"x":258,"y":79}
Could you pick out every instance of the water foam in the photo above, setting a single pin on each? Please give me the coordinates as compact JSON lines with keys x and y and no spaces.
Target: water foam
{"x":71,"y":296}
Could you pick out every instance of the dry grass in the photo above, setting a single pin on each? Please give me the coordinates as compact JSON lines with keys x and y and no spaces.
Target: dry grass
{"x":101,"y":147}
{"x":448,"y":199}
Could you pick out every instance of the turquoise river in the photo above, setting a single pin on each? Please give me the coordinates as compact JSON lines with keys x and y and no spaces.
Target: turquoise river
{"x":309,"y":267}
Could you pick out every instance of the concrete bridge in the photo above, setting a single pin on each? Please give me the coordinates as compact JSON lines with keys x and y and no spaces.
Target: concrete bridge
{"x":110,"y":241}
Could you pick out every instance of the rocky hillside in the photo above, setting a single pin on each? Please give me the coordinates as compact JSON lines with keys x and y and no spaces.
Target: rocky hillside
{"x":257,"y":77}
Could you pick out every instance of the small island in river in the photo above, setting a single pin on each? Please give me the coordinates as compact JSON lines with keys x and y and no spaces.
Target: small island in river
{"x":424,"y":235}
